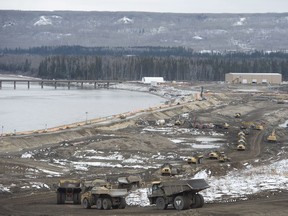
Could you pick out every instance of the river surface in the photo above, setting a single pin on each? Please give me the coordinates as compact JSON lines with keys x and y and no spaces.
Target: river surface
{"x":37,"y":109}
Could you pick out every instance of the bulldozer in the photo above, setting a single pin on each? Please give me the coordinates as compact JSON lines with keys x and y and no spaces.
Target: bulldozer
{"x":214,"y":155}
{"x":241,"y":147}
{"x":223,"y":158}
{"x":168,"y":170}
{"x":237,"y":115}
{"x":272,"y":137}
{"x":69,"y":190}
{"x":196,"y":159}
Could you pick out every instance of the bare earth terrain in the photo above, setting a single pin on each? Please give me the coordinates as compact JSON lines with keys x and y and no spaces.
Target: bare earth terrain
{"x":32,"y":164}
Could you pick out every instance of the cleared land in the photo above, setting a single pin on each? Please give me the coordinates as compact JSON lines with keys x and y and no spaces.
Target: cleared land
{"x":31,"y":165}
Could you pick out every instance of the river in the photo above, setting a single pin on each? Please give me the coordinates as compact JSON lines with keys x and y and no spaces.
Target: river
{"x":36,"y":109}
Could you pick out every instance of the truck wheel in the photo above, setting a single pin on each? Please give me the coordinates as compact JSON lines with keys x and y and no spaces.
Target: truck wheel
{"x":99,"y":203}
{"x":198,"y":201}
{"x":122,"y":204}
{"x":107,"y":204}
{"x":180,"y":203}
{"x":160,"y":203}
{"x":59,"y":198}
{"x":76,"y":198}
{"x":86,"y":204}
{"x":202,"y":200}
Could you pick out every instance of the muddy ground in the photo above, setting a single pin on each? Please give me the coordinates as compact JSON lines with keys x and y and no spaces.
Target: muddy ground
{"x":31,"y":165}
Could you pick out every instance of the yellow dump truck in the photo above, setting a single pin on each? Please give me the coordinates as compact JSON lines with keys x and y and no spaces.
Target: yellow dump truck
{"x":103,"y":196}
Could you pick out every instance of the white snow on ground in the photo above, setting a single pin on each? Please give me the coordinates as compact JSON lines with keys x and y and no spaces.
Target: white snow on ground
{"x":284,"y":125}
{"x":207,"y":139}
{"x":51,"y":173}
{"x":138,"y":198}
{"x":204,"y":146}
{"x":240,"y":183}
{"x":236,"y":184}
{"x":39,"y":185}
{"x":43,"y":21}
{"x":240,"y":22}
{"x":4,"y":189}
{"x":27,"y":155}
{"x":197,"y":38}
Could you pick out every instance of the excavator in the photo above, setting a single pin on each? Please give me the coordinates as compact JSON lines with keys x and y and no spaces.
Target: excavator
{"x":272,"y":137}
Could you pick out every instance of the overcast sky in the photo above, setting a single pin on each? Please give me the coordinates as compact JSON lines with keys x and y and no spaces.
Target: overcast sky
{"x":175,"y":6}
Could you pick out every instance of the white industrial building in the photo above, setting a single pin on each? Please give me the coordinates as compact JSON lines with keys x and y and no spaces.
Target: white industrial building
{"x":248,"y":78}
{"x":152,"y":80}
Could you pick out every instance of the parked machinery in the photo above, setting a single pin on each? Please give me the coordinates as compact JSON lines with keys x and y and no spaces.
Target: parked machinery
{"x":272,"y":137}
{"x":103,"y":196}
{"x":237,"y":115}
{"x":182,"y":194}
{"x":241,"y":147}
{"x":69,"y":190}
{"x":195,"y":159}
{"x":169,"y":170}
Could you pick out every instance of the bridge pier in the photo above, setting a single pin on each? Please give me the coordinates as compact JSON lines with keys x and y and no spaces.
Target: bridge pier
{"x":28,"y":83}
{"x":55,"y":85}
{"x":0,"y":84}
{"x":69,"y":85}
{"x":14,"y":84}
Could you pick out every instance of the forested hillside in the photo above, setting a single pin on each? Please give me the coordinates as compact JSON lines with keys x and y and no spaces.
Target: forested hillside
{"x":116,"y":64}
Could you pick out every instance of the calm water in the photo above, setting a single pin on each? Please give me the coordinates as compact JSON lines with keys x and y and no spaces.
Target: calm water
{"x":36,"y":108}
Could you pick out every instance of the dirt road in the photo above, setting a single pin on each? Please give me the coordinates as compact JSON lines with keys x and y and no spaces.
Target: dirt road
{"x":32,"y":164}
{"x":44,"y":204}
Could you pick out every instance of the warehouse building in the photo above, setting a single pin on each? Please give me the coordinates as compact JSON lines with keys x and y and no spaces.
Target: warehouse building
{"x":255,"y":78}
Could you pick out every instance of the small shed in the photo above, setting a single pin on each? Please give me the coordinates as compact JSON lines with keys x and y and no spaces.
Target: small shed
{"x":152,"y":80}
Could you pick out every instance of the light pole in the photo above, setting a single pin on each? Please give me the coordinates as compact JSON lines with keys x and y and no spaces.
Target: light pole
{"x":86,"y":116}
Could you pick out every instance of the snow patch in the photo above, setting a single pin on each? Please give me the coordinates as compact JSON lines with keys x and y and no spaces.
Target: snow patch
{"x":125,"y":20}
{"x":27,"y":155}
{"x":284,"y":125}
{"x":197,"y":38}
{"x":240,"y":22}
{"x":138,"y":198}
{"x":43,"y":21}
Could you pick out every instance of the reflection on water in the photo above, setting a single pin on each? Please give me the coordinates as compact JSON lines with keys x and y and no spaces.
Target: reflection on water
{"x":36,"y":108}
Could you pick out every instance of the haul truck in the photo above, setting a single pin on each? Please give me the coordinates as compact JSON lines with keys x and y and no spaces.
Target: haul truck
{"x":181,"y":194}
{"x":103,"y":196}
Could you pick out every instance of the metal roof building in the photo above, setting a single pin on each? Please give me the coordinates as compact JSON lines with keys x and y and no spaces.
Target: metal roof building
{"x":150,"y":80}
{"x":248,"y":78}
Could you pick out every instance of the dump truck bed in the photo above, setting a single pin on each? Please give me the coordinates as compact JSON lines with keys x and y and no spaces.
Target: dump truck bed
{"x":179,"y":186}
{"x":111,"y":192}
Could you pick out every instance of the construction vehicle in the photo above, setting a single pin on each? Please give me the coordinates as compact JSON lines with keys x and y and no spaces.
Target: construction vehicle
{"x":241,"y":133}
{"x":223,"y":157}
{"x":169,"y":170}
{"x":241,"y":147}
{"x":196,"y":159}
{"x":68,"y":191}
{"x":182,"y":194}
{"x":241,"y":141}
{"x":104,"y":196}
{"x":214,"y":155}
{"x":130,"y":183}
{"x":222,"y":126}
{"x":237,"y":115}
{"x":272,"y":137}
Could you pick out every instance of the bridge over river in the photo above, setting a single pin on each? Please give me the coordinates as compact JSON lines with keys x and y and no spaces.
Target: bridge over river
{"x":55,"y":83}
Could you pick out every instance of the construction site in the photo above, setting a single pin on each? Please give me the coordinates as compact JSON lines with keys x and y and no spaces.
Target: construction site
{"x":212,"y":149}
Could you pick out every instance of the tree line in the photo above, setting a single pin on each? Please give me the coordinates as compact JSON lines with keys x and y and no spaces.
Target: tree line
{"x":201,"y":68}
{"x":133,"y":63}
